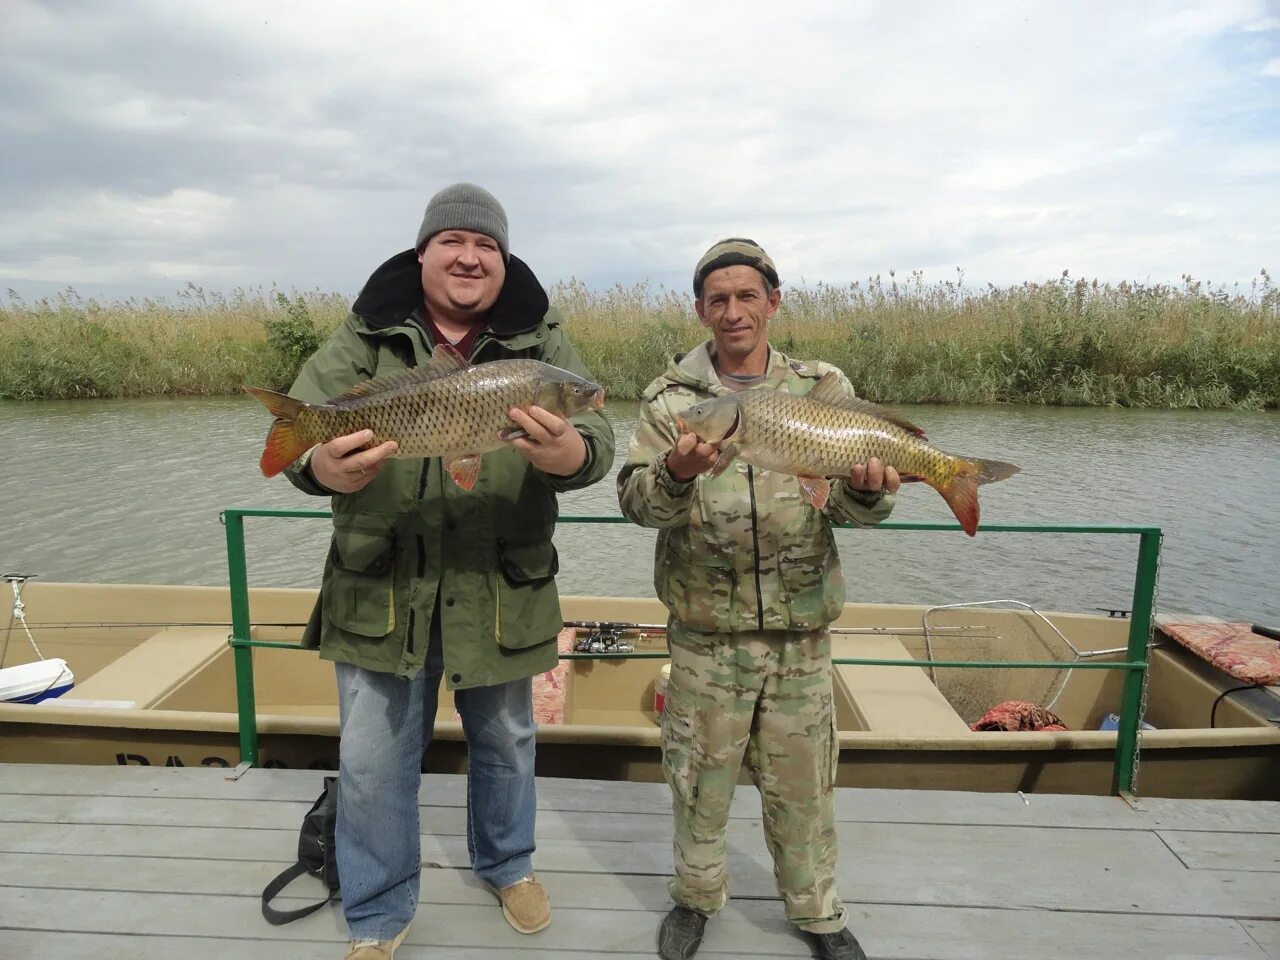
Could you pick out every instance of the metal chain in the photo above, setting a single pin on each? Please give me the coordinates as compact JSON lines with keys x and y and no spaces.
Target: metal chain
{"x":1146,"y":674}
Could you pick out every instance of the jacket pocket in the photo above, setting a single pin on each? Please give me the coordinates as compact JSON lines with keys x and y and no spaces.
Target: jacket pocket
{"x":528,"y":602}
{"x":360,"y":594}
{"x":699,"y":587}
{"x":679,"y":750}
{"x":832,"y":766}
{"x":812,"y":582}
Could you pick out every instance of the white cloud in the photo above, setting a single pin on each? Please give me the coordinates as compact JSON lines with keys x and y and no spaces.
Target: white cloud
{"x":298,"y":142}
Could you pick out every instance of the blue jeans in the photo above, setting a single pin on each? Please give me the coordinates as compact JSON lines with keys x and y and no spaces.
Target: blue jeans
{"x":386,"y":724}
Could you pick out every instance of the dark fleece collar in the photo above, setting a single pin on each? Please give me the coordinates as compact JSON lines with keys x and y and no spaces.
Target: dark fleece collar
{"x":394,"y":291}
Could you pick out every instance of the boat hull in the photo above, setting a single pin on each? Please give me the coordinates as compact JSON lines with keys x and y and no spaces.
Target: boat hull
{"x":173,"y":704}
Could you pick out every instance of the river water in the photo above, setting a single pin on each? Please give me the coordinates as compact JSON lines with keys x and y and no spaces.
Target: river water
{"x":130,"y":491}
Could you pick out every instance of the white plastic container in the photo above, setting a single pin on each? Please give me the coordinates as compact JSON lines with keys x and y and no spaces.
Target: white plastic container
{"x":33,"y":682}
{"x":660,"y":688}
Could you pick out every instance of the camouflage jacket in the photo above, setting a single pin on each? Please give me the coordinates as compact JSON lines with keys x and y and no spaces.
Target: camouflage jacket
{"x":744,"y":551}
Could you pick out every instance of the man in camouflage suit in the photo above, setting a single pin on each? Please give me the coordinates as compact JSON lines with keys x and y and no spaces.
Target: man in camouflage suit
{"x":749,"y":573}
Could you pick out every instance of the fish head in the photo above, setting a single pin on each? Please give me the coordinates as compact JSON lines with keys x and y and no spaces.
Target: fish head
{"x":714,"y":421}
{"x":565,"y":394}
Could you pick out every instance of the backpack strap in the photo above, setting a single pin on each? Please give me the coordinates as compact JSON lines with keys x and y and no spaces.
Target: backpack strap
{"x":271,"y":890}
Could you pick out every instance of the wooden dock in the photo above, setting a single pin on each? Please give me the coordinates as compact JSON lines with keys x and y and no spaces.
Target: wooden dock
{"x":98,"y":863}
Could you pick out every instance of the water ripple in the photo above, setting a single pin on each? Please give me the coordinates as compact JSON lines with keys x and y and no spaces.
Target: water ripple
{"x":130,"y":491}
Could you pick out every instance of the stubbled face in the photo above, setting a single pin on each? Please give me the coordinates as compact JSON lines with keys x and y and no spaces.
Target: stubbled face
{"x":462,"y":274}
{"x":712,"y":420}
{"x":566,"y":394}
{"x":736,"y":309}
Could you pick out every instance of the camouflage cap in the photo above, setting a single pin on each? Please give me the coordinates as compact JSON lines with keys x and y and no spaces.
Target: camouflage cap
{"x":730,"y":252}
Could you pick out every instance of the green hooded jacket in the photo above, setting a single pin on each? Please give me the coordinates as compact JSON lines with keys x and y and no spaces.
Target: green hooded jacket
{"x":743,"y":551}
{"x":412,"y":538}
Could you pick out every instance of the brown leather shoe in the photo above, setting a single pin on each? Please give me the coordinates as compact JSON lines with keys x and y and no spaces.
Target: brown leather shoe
{"x":375,"y":949}
{"x":526,"y":905}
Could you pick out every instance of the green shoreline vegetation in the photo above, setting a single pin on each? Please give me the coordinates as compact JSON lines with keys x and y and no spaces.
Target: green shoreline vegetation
{"x":1064,"y":342}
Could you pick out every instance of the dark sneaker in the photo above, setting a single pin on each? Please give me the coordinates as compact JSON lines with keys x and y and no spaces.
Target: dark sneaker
{"x":680,"y":934}
{"x":836,"y":946}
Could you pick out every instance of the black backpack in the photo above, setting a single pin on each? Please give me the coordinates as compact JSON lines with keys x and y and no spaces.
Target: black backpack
{"x":316,"y":856}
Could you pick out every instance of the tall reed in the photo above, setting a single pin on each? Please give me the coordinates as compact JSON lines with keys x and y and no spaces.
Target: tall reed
{"x":1064,"y":342}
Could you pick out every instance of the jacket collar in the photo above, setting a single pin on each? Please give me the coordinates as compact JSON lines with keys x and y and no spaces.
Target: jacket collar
{"x":695,"y":369}
{"x":394,"y":291}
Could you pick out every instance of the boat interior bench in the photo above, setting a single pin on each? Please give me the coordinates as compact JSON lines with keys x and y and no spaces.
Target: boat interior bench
{"x":155,"y":667}
{"x":1232,"y":647}
{"x":902,"y":701}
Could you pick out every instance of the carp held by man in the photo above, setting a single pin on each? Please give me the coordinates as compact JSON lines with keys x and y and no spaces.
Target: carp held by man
{"x":824,"y":433}
{"x":445,"y":408}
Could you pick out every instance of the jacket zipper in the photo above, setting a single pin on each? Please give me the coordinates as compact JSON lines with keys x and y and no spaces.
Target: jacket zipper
{"x":422,"y":548}
{"x":755,"y":545}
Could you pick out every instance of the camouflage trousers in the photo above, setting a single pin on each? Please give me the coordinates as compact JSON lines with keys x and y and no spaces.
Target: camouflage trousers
{"x":765,"y":696}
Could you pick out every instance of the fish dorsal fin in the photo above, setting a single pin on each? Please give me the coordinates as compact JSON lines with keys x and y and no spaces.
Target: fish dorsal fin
{"x":445,"y":361}
{"x":828,"y":392}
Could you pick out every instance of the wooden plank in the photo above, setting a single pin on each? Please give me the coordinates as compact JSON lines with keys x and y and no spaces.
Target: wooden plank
{"x":182,"y":782}
{"x":931,"y":933}
{"x":594,"y":796}
{"x":1130,"y":872}
{"x":588,"y":796}
{"x":1204,"y":850}
{"x":287,"y":815}
{"x":98,"y":946}
{"x":607,"y":930}
{"x":1221,"y":816}
{"x":246,"y":878}
{"x":745,"y":928}
{"x":438,"y":789}
{"x":1266,"y":933}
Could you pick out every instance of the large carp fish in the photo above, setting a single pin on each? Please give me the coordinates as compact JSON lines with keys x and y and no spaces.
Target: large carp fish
{"x":824,"y":433}
{"x":445,"y":408}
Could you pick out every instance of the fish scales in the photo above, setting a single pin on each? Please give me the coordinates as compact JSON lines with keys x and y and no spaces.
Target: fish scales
{"x":793,"y":434}
{"x":462,"y":412}
{"x":825,"y":433}
{"x":447,"y":408}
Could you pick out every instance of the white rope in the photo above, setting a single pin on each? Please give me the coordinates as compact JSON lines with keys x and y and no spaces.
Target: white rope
{"x":19,"y":613}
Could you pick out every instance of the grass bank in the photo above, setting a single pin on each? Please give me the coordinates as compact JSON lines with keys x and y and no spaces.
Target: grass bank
{"x":1064,"y":342}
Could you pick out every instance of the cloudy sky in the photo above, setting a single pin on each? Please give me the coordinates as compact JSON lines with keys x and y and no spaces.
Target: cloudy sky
{"x":234,"y":144}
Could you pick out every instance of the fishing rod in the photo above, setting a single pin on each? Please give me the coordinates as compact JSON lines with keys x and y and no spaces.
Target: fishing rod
{"x":606,"y":636}
{"x":620,"y":625}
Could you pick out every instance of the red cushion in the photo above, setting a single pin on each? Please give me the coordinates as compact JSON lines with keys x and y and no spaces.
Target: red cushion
{"x":1232,"y":647}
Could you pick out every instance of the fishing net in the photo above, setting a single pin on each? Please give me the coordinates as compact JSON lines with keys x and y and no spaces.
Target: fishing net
{"x":968,"y":631}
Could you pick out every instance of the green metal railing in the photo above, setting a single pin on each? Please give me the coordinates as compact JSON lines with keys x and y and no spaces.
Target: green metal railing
{"x":1135,"y":665}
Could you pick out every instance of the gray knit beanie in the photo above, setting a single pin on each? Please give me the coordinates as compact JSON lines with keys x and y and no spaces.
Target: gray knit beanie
{"x":464,"y":206}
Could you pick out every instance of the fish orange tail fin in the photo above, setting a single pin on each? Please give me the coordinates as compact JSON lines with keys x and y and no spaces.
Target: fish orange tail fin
{"x":284,"y":445}
{"x":961,"y":493}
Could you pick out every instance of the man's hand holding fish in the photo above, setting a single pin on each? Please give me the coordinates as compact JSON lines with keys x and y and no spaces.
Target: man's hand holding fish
{"x":549,"y":442}
{"x":343,"y":465}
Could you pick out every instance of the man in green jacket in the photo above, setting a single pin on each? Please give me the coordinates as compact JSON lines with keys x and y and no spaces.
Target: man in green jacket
{"x":748,"y":571}
{"x":425,"y":579}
